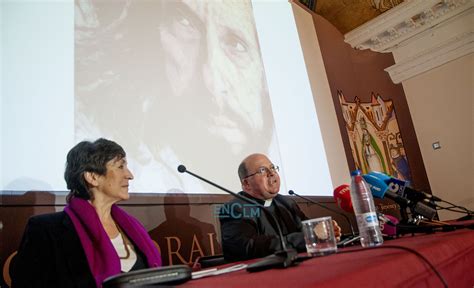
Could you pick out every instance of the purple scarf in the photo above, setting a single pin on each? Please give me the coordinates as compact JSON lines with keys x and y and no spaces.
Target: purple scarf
{"x":101,"y":255}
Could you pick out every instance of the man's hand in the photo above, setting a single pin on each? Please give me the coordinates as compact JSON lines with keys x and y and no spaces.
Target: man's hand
{"x":337,"y":230}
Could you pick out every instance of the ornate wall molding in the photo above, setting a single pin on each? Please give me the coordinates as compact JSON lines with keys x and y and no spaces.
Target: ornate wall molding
{"x":385,"y":32}
{"x":422,"y":34}
{"x":426,"y":60}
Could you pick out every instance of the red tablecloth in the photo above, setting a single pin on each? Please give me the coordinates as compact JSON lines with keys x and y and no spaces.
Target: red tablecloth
{"x":451,"y":253}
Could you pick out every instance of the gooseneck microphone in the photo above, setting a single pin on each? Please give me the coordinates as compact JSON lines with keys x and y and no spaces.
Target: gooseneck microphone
{"x":281,"y":259}
{"x":291,"y":192}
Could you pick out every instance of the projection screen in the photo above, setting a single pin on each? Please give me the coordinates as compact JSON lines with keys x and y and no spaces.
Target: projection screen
{"x":199,"y":83}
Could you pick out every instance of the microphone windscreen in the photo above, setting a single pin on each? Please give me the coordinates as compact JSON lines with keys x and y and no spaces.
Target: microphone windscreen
{"x":380,"y":175}
{"x":390,"y":228}
{"x":394,"y":185}
{"x":377,"y":186}
{"x":342,"y":196}
{"x":181,"y":168}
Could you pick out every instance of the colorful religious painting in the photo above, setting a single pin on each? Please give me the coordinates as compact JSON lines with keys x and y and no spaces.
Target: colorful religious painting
{"x":375,"y":138}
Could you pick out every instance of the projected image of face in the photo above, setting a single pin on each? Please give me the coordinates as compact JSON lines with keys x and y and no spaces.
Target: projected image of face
{"x":211,"y":54}
{"x":216,"y":42}
{"x":190,"y":77}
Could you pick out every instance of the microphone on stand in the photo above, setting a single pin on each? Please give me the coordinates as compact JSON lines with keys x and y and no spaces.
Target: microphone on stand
{"x":382,"y":186}
{"x":424,"y":203}
{"x":344,"y":242}
{"x":280,"y":259}
{"x":402,"y":188}
{"x":344,"y":201}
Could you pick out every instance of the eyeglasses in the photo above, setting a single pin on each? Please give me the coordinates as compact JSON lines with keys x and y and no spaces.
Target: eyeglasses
{"x":264,"y":171}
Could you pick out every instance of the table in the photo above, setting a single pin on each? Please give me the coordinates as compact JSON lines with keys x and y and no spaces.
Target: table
{"x":451,"y":253}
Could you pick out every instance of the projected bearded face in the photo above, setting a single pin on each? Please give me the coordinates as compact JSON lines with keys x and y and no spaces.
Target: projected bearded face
{"x":177,"y":80}
{"x":215,"y":73}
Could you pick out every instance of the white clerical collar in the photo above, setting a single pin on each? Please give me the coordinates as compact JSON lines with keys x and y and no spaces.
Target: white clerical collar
{"x":268,"y":202}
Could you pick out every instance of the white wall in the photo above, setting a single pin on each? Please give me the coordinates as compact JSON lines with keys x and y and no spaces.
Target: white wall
{"x":434,"y":62}
{"x":323,"y":102}
{"x":440,"y":102}
{"x":441,"y":105}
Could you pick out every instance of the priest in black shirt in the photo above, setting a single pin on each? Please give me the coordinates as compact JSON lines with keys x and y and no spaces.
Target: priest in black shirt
{"x":248,"y":232}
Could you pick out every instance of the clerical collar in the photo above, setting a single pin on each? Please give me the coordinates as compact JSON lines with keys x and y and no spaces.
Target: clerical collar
{"x":265,"y":203}
{"x":268,"y":202}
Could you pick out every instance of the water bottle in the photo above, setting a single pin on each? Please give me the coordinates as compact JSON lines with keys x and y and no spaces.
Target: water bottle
{"x":364,"y":208}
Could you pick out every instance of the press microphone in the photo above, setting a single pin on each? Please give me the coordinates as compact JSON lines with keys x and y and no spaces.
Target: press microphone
{"x":281,"y":259}
{"x":342,"y":195}
{"x":424,"y":202}
{"x":380,"y":189}
{"x":389,"y":224}
{"x":403,"y":189}
{"x":396,"y":189}
{"x":291,"y":192}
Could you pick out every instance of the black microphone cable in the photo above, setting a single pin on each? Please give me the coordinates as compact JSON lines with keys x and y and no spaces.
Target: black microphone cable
{"x":450,"y":208}
{"x":283,"y":258}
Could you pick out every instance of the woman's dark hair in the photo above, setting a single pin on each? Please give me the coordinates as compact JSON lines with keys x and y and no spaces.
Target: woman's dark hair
{"x":88,"y":156}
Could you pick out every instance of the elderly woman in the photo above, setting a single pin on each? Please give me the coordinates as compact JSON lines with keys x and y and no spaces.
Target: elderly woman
{"x":93,"y":238}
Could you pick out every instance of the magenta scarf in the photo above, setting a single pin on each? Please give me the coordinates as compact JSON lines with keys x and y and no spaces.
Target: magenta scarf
{"x":101,"y":254}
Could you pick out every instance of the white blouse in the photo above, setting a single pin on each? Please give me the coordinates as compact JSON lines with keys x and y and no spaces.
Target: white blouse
{"x":119,"y":245}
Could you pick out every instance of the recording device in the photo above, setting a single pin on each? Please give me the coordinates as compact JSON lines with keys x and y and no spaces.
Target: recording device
{"x":425,"y":203}
{"x":169,"y":275}
{"x":403,"y":189}
{"x":380,"y":189}
{"x":346,"y":240}
{"x":389,"y":224}
{"x":280,"y":259}
{"x":421,"y":206}
{"x":342,"y":195}
{"x":382,"y":185}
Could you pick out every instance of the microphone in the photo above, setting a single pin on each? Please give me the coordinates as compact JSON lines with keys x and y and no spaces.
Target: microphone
{"x":402,"y":188}
{"x":393,"y":188}
{"x":181,"y":168}
{"x":424,"y":203}
{"x":343,"y":198}
{"x":380,"y":189}
{"x":283,"y":258}
{"x":344,"y":242}
{"x":342,"y":195}
{"x":389,"y":224}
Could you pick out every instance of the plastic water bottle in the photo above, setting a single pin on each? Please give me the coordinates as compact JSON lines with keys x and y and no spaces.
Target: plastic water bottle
{"x":364,"y":208}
